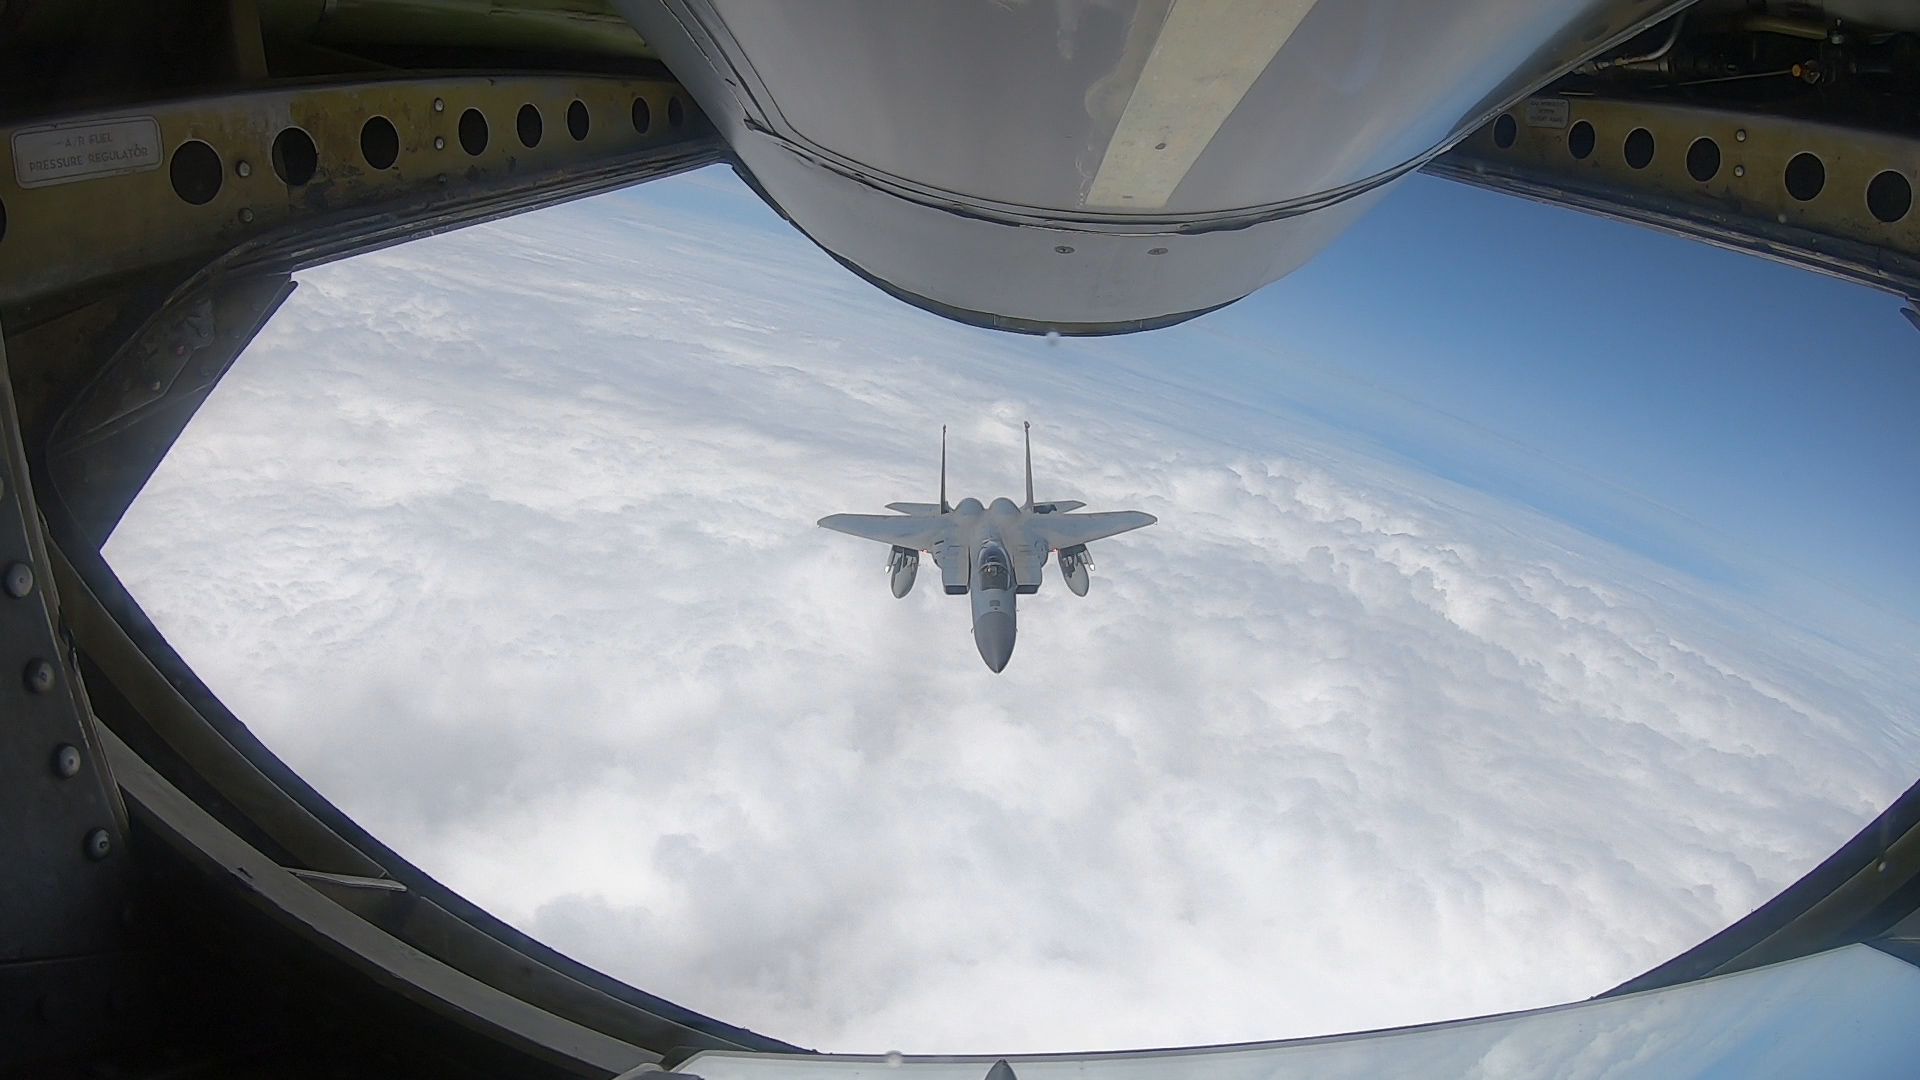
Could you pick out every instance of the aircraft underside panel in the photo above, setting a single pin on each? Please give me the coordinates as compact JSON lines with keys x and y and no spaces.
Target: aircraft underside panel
{"x":1847,"y":1014}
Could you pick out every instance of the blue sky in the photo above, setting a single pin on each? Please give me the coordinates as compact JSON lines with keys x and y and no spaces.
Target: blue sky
{"x":1772,"y":406}
{"x":1742,"y":421}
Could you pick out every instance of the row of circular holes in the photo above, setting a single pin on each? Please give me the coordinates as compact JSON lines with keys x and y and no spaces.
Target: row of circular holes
{"x":196,"y":171}
{"x":1889,"y":194}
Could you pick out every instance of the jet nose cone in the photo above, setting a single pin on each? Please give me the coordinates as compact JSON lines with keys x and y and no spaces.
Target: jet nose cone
{"x":993,"y":633}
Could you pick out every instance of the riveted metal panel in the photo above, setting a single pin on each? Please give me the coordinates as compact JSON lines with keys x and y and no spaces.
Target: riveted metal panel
{"x":65,"y":893}
{"x":1735,"y":191}
{"x":240,"y":166}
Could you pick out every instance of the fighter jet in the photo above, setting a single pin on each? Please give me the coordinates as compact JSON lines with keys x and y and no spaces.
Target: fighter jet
{"x":993,"y":552}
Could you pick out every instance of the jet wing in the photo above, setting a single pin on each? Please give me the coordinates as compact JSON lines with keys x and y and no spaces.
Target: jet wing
{"x":922,"y":509}
{"x":1067,"y":530}
{"x":919,"y":533}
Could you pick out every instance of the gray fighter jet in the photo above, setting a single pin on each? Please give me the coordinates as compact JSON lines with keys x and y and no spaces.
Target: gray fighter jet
{"x":993,"y":552}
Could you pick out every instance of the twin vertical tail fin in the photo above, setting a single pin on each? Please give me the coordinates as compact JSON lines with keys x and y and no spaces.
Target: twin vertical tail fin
{"x":1029,"y":435}
{"x":945,"y":508}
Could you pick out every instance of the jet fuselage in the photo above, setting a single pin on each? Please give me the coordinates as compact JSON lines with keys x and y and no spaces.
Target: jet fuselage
{"x":992,"y":552}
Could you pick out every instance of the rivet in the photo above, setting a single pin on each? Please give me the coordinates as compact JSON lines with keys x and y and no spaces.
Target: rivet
{"x":1739,"y":170}
{"x":1781,"y":218}
{"x":19,"y":580}
{"x":39,"y":675}
{"x":1156,"y":251}
{"x":99,"y":845}
{"x":242,"y":169}
{"x":246,"y":215}
{"x":1064,"y":249}
{"x":439,"y":105}
{"x":439,"y":142}
{"x":66,"y":761}
{"x":1740,"y":135}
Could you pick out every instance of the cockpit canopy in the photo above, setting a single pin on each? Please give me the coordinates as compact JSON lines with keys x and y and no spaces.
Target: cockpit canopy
{"x":996,"y":573}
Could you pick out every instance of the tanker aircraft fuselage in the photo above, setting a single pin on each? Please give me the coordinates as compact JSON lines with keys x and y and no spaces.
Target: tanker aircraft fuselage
{"x":993,"y":552}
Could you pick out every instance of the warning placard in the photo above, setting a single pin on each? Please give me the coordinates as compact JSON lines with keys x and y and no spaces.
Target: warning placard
{"x":64,"y":153}
{"x":1548,"y":112}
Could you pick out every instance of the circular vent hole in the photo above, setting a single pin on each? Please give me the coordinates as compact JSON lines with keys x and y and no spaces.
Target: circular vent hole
{"x":1580,"y":141}
{"x":1638,"y":148}
{"x":1505,"y":131}
{"x":642,"y":115}
{"x":379,"y":143}
{"x":1889,"y":197}
{"x":1806,"y":176}
{"x":295,"y":158}
{"x":195,"y":172}
{"x":528,"y":126}
{"x":473,"y":132}
{"x":1703,"y":159}
{"x":577,"y":120}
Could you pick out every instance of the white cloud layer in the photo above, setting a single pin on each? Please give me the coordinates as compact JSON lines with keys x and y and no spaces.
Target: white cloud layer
{"x":505,"y":540}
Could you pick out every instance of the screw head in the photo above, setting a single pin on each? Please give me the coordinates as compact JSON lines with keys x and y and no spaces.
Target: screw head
{"x":439,"y":105}
{"x":439,"y":142}
{"x":39,"y":676}
{"x":246,"y":215}
{"x":1740,"y":135}
{"x":242,"y":169}
{"x":66,"y":761}
{"x":18,"y":580}
{"x":99,"y":845}
{"x":1739,"y":170}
